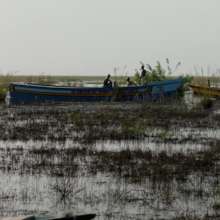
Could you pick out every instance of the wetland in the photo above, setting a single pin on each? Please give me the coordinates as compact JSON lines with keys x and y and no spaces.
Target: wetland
{"x":118,"y":160}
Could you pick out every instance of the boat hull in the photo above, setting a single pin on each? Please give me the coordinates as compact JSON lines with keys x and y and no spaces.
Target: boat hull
{"x":205,"y":91}
{"x":23,"y":93}
{"x":77,"y":217}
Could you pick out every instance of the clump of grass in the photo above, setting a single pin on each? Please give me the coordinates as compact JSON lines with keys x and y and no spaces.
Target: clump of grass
{"x":156,"y":73}
{"x":161,"y":166}
{"x":91,"y":123}
{"x":3,"y":91}
{"x":65,"y":188}
{"x":118,"y":124}
{"x":207,"y":103}
{"x":216,"y":206}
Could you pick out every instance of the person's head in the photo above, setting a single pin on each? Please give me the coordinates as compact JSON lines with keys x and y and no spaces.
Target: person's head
{"x":128,"y":79}
{"x":142,"y":67}
{"x":108,"y":76}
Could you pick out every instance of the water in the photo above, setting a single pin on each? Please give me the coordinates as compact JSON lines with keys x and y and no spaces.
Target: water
{"x":169,"y":172}
{"x":28,"y":185}
{"x":105,"y":195}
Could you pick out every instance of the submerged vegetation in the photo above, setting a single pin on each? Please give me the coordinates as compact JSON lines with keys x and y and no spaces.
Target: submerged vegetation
{"x":88,"y":123}
{"x":129,"y":160}
{"x":64,"y":158}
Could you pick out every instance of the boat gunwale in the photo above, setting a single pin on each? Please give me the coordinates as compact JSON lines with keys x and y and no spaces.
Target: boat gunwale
{"x":205,"y":87}
{"x":156,"y":83}
{"x":27,"y":93}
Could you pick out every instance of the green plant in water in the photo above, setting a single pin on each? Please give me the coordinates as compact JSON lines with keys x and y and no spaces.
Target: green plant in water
{"x":207,"y":103}
{"x":165,"y":134}
{"x":187,"y":79}
{"x":137,"y":77}
{"x":77,"y":119}
{"x":133,"y":129}
{"x":3,"y":92}
{"x":156,"y":73}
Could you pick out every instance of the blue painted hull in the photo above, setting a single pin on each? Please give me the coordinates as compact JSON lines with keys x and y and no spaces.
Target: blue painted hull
{"x":23,"y":93}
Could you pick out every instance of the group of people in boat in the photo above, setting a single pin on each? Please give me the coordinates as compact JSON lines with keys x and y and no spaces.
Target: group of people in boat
{"x":108,"y":82}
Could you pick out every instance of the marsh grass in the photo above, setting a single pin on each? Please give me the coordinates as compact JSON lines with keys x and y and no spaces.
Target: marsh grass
{"x":207,"y":103}
{"x":66,"y":188}
{"x":89,"y":123}
{"x":145,"y":179}
{"x":133,"y":165}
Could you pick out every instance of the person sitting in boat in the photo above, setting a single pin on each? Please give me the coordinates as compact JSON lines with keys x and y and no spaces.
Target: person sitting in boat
{"x":107,"y":82}
{"x":130,"y":82}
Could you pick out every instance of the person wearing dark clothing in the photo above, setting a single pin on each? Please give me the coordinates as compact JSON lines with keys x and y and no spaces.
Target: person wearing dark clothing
{"x":143,"y":72}
{"x":108,"y":82}
{"x":129,"y":82}
{"x":209,"y":84}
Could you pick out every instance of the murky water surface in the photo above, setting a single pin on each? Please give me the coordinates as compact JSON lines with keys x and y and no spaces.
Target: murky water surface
{"x":169,"y":172}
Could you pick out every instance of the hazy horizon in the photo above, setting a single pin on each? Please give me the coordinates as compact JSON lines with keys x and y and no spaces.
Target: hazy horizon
{"x":94,"y":37}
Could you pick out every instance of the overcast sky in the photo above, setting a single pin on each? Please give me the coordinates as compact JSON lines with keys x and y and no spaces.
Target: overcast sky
{"x":94,"y":36}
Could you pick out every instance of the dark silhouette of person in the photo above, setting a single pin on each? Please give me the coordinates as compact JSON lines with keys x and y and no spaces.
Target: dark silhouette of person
{"x":107,"y":82}
{"x":209,"y":84}
{"x":129,"y":82}
{"x":143,"y":72}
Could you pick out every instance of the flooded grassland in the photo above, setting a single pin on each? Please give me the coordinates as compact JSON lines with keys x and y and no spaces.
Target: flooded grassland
{"x":120,"y":161}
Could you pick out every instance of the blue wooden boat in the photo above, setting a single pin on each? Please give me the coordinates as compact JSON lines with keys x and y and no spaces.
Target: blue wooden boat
{"x":26,"y":93}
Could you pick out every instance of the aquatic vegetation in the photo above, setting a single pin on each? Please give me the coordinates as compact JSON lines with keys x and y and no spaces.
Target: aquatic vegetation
{"x":188,"y":79}
{"x":65,"y":188}
{"x":105,"y":122}
{"x":152,"y":74}
{"x":206,"y":103}
{"x":50,"y":161}
{"x":139,"y":178}
{"x":156,"y":73}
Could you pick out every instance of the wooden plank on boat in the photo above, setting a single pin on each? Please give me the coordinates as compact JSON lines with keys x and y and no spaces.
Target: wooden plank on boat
{"x":205,"y":90}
